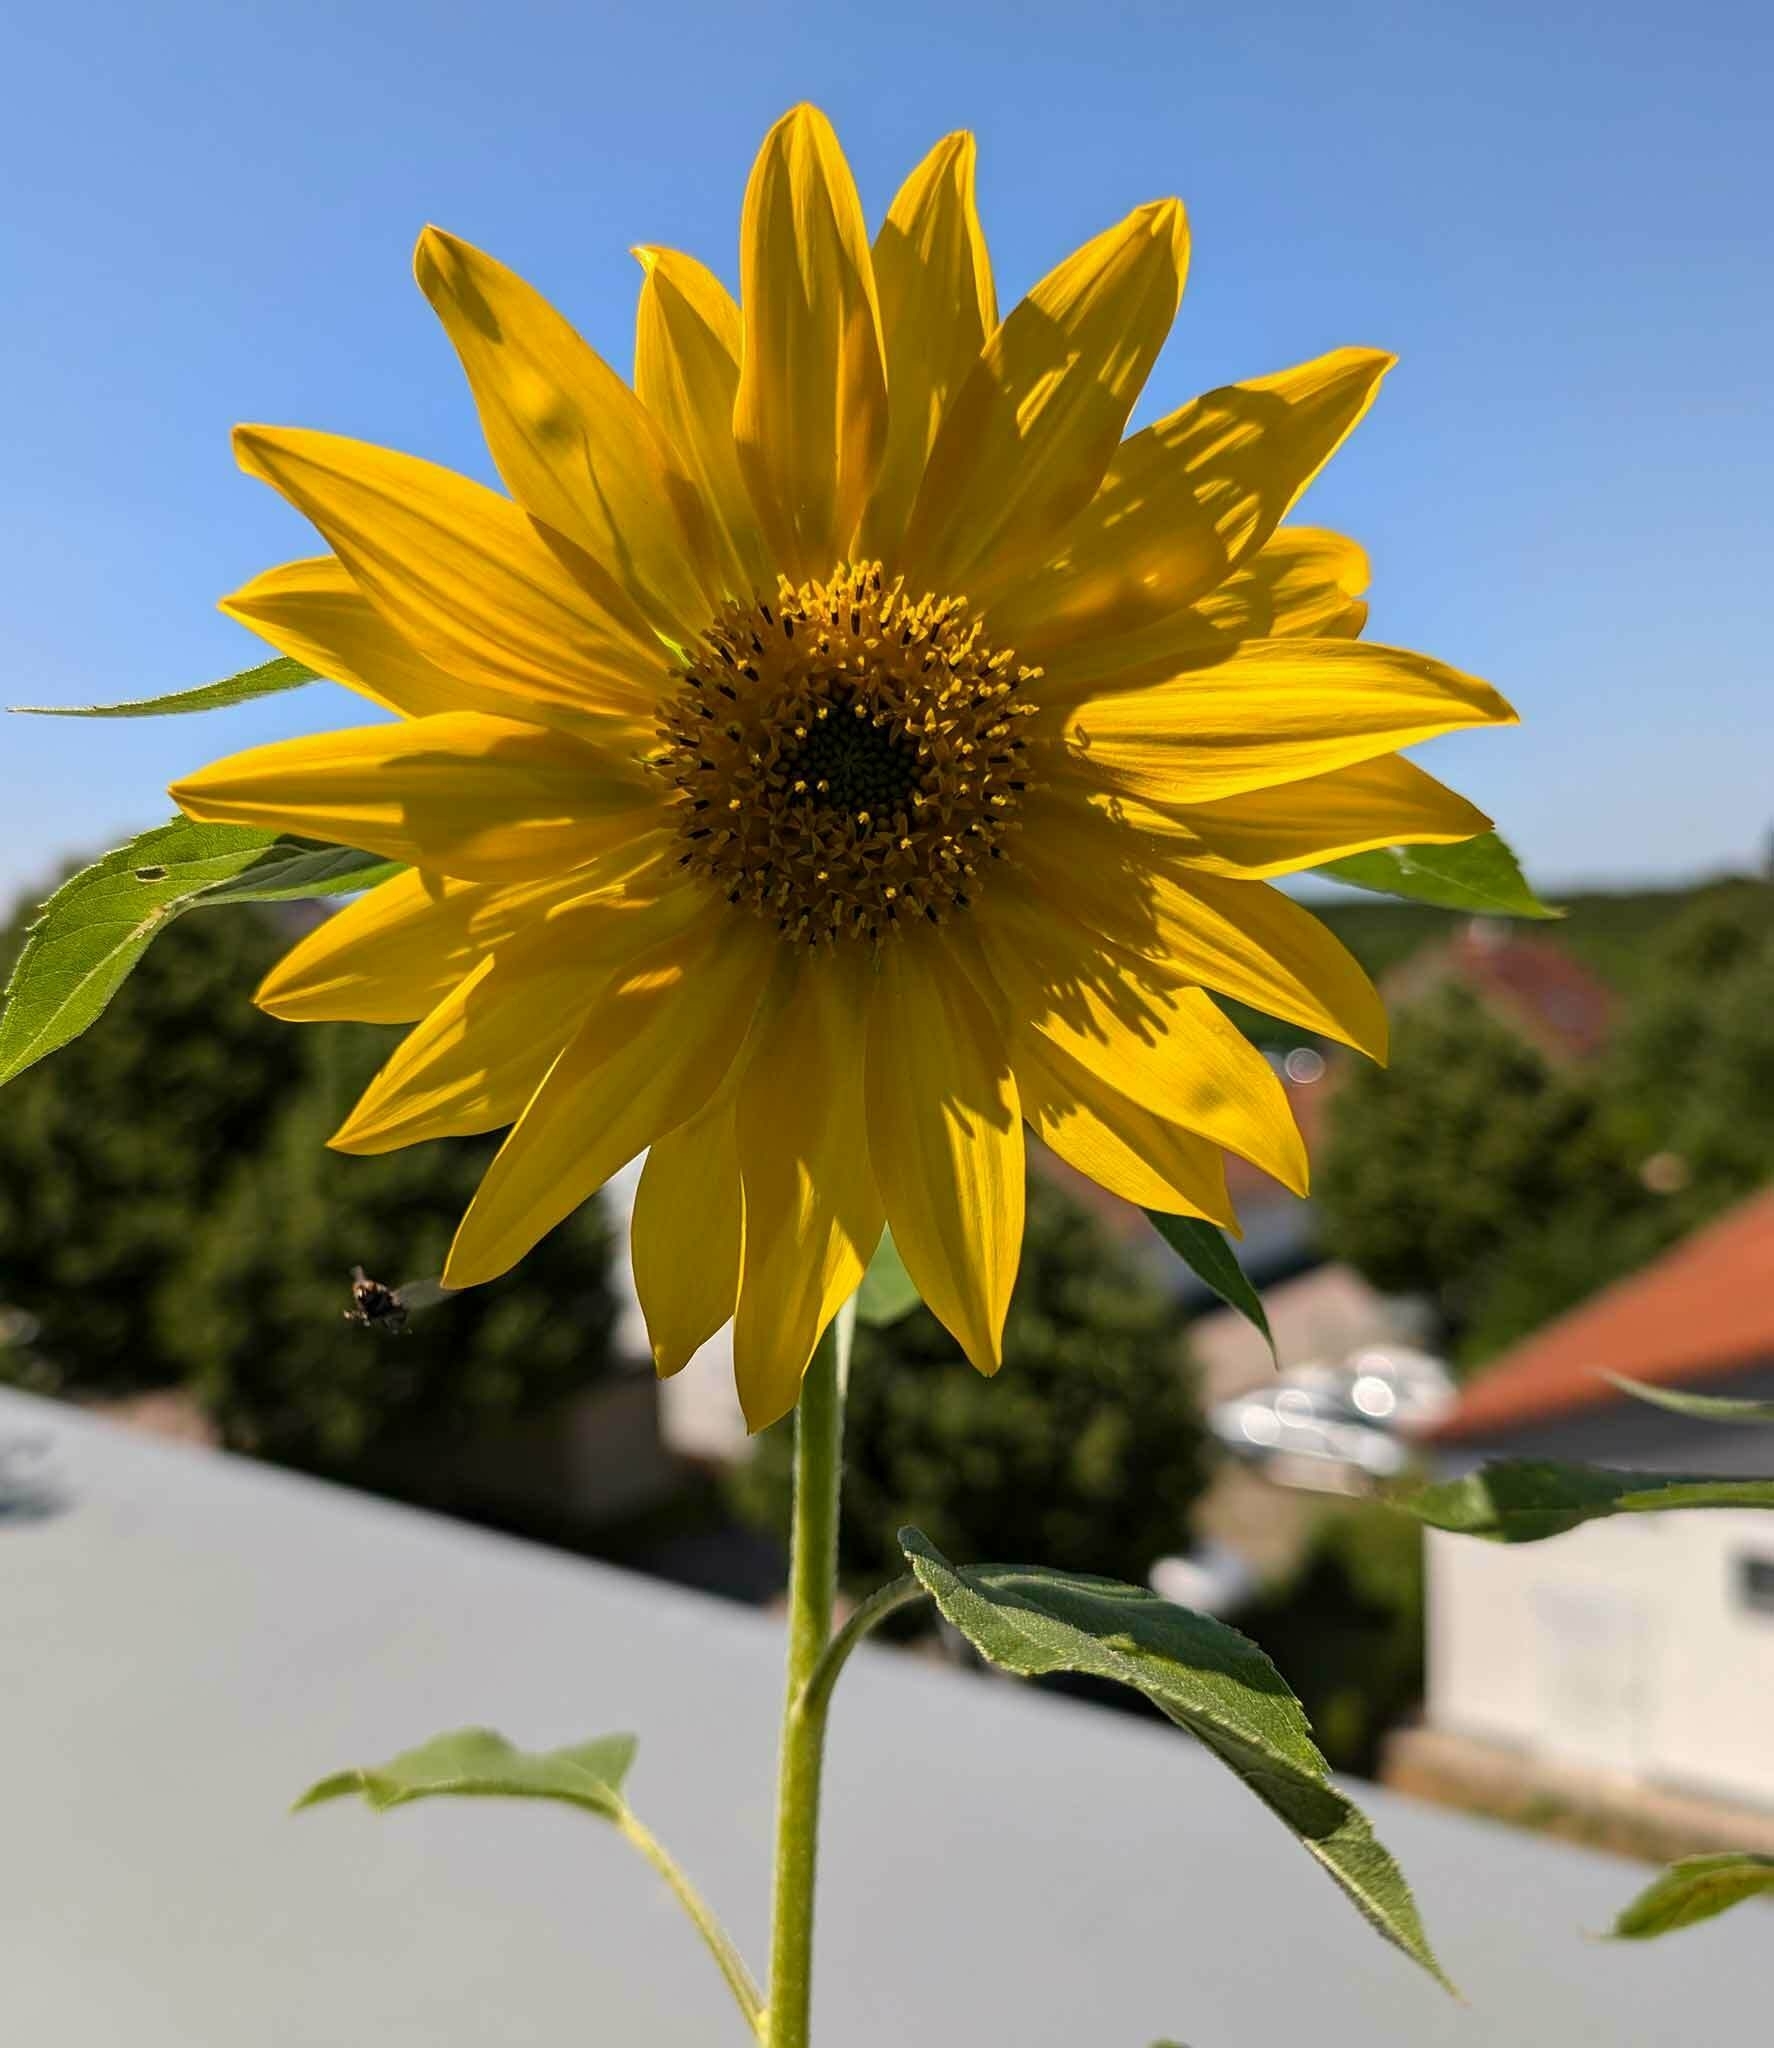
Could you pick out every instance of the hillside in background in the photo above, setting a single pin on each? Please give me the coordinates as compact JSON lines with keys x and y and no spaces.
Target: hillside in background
{"x":1613,"y":933}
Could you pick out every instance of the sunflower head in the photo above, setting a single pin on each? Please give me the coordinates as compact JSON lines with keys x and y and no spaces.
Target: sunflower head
{"x":848,"y":757}
{"x":836,"y":752}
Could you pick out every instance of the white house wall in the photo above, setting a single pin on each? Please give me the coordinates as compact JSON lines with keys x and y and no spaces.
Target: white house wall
{"x":1630,"y":1646}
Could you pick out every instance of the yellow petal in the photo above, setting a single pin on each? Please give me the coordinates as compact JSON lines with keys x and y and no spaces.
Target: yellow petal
{"x":1186,"y":500}
{"x":1171,"y":1050}
{"x":1182,"y":642}
{"x":386,"y":958}
{"x":396,"y":951}
{"x":1099,"y":855}
{"x":1242,"y":938}
{"x":1272,"y":711}
{"x":945,"y":1140}
{"x":686,"y":373}
{"x":1304,"y":582}
{"x":1128,"y":830}
{"x":468,"y":578}
{"x":464,"y":1069}
{"x":574,"y":444}
{"x":313,"y":612}
{"x":487,"y":799}
{"x":1387,"y":801}
{"x":655,"y":1047}
{"x":1028,"y":436}
{"x":478,"y":1057}
{"x":937,"y":308}
{"x":810,"y":418}
{"x":1248,"y":940}
{"x":687,"y":1233}
{"x":1141,"y":1157}
{"x":812,"y":1213}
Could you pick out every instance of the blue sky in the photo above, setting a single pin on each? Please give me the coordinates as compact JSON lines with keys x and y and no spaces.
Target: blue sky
{"x":1559,"y":217}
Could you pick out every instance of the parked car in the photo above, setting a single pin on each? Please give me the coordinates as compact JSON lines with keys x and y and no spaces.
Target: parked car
{"x":1353,"y":1416}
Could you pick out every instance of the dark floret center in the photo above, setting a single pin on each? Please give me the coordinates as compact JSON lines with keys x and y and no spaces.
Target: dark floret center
{"x":849,"y":763}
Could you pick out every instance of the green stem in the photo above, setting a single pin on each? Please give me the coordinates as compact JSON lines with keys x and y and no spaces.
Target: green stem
{"x":812,"y":1588}
{"x":869,"y":1616}
{"x":727,"y":1957}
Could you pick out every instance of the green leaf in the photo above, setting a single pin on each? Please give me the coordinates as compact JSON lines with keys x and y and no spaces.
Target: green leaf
{"x":1479,"y":875}
{"x":1703,"y":1407}
{"x":1524,"y":1500}
{"x":1205,"y":1676}
{"x":100,"y":922}
{"x":295,"y":870}
{"x":264,"y":681}
{"x":1695,"y":1889}
{"x":887,"y":1292}
{"x":474,"y":1763}
{"x":1207,"y":1253}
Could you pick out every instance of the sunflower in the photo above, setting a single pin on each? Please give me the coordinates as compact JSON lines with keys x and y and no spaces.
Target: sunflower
{"x":839,"y":751}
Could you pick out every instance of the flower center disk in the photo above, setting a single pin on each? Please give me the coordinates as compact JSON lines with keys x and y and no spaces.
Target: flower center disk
{"x":847,"y":759}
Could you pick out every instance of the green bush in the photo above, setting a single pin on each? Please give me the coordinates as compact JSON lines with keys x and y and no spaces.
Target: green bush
{"x":170,"y":1215}
{"x":1088,"y":1446}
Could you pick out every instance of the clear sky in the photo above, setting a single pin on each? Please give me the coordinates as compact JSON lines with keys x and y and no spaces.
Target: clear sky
{"x":1558,"y":215}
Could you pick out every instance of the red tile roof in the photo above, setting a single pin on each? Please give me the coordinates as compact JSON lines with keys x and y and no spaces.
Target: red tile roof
{"x":1703,"y":1309}
{"x":1535,"y":984}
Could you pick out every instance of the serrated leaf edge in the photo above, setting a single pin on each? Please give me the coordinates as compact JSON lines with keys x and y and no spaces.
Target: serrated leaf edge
{"x":1414,"y":1941}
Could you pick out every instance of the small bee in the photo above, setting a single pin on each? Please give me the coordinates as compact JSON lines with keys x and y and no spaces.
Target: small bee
{"x":375,"y":1307}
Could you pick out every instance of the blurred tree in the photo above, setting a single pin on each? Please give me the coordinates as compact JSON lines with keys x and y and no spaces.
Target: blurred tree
{"x":1346,"y":1630}
{"x":1509,"y":1190}
{"x":256,"y":1315}
{"x":113,"y":1148}
{"x":1474,"y":1172}
{"x":169,"y":1213}
{"x":1692,"y":1076}
{"x":1088,"y":1446}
